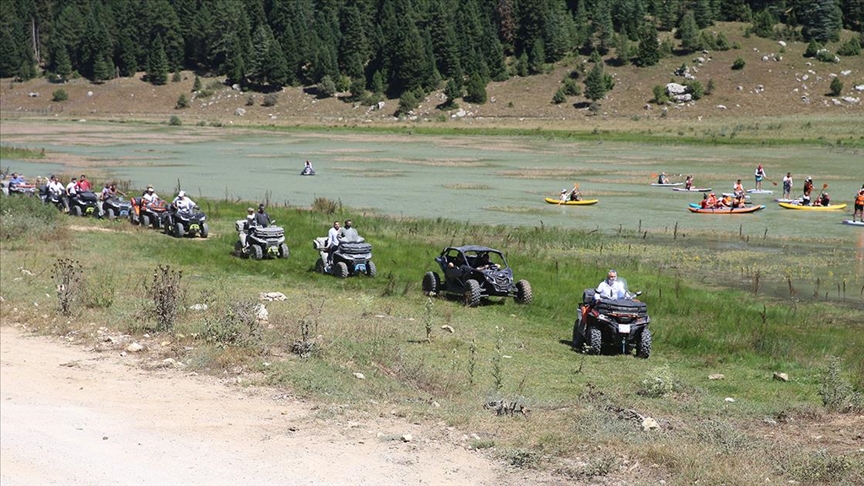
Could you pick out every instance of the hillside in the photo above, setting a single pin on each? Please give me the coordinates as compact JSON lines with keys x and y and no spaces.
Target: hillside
{"x":777,"y":82}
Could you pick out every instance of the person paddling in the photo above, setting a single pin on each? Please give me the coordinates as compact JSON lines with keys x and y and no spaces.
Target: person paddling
{"x":759,"y":175}
{"x":787,"y":186}
{"x":859,"y":206}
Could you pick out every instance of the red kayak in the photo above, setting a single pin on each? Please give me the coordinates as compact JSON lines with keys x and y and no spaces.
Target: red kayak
{"x":751,"y":209}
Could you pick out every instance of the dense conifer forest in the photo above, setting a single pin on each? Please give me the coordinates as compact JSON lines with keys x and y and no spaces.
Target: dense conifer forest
{"x":392,"y":47}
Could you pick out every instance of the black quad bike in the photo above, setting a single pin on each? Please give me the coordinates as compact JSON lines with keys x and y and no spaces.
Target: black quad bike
{"x":83,"y":204}
{"x":186,"y":222}
{"x":620,"y":325}
{"x":349,"y":259}
{"x":116,"y":207}
{"x":261,"y":242}
{"x":475,"y":273}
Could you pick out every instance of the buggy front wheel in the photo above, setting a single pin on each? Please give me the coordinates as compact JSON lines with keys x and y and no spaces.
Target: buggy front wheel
{"x":472,"y":293}
{"x":431,"y":282}
{"x":523,"y":292}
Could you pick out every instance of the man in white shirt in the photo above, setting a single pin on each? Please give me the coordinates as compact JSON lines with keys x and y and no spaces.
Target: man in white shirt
{"x":611,"y":288}
{"x":71,"y":187}
{"x":332,"y":241}
{"x":57,"y":191}
{"x":182,"y":202}
{"x":149,"y":196}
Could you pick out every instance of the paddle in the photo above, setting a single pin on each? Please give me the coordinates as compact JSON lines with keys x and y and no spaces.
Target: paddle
{"x":575,"y":187}
{"x":824,"y":186}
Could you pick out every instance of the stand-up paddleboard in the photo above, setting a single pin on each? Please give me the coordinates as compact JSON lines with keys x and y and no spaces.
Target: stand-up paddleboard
{"x":692,"y":189}
{"x":790,"y":201}
{"x":759,"y":191}
{"x":853,"y":223}
{"x":671,"y":184}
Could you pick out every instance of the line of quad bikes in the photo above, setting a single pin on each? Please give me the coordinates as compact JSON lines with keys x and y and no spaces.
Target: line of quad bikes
{"x":476,"y":275}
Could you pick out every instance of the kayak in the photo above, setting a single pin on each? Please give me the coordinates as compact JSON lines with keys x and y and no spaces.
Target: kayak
{"x":584,"y":202}
{"x":853,"y":223}
{"x":692,"y":189}
{"x":751,"y":209}
{"x":759,"y":191}
{"x":832,"y":207}
{"x":671,"y":184}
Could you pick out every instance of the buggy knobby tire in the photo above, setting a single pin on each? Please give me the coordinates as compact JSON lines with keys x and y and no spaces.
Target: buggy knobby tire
{"x":257,"y":252}
{"x":205,"y":230}
{"x":472,"y":293}
{"x":643,"y":350}
{"x":179,"y":231}
{"x":283,"y":251}
{"x":523,"y":292}
{"x":595,"y":340}
{"x":340,"y":269}
{"x":431,"y":282}
{"x":370,"y":269}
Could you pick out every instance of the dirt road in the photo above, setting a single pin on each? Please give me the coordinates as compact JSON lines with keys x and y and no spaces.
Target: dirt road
{"x":71,"y":417}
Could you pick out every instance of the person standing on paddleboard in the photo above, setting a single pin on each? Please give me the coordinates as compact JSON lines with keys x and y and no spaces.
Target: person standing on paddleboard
{"x":787,"y":186}
{"x":859,"y":206}
{"x":760,"y":174}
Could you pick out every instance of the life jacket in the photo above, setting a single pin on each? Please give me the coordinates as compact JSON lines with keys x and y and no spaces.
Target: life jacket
{"x":738,"y":187}
{"x":710,"y":202}
{"x":859,"y":199}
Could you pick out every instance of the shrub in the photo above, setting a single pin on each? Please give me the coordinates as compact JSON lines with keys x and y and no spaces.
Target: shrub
{"x":475,"y":92}
{"x":324,"y":205}
{"x":68,"y":280}
{"x":182,"y":102}
{"x":196,"y":86}
{"x":824,"y":55}
{"x":812,"y":48}
{"x":204,"y":93}
{"x":722,"y":42}
{"x":836,"y":392}
{"x":453,"y":92}
{"x":696,"y":89}
{"x":572,"y":88}
{"x":166,"y":292}
{"x":250,"y":100}
{"x":27,"y":218}
{"x":851,"y":47}
{"x":660,"y":95}
{"x":176,"y":77}
{"x":407,"y":103}
{"x":60,"y":95}
{"x":237,"y":326}
{"x":559,"y":96}
{"x":270,"y":99}
{"x":836,"y":87}
{"x":711,"y":86}
{"x":326,"y":88}
{"x":357,"y":88}
{"x":738,"y":64}
{"x":175,"y":121}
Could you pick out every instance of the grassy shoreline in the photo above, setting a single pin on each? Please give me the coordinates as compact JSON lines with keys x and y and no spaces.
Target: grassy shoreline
{"x":517,"y":354}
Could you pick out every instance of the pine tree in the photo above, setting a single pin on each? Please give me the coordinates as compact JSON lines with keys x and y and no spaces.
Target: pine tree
{"x":354,"y":45}
{"x":669,"y":14}
{"x":278,"y":73}
{"x":595,"y":83}
{"x":703,"y":14}
{"x":9,"y":55}
{"x":157,"y":65}
{"x":604,"y":29}
{"x":475,"y":91}
{"x":60,"y":60}
{"x":103,"y":68}
{"x":453,"y":92}
{"x":821,"y":20}
{"x":689,"y":32}
{"x":763,"y":24}
{"x":649,"y":47}
{"x":622,"y":49}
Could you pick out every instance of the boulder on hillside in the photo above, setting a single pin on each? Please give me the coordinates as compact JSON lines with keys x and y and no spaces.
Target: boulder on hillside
{"x":674,"y":89}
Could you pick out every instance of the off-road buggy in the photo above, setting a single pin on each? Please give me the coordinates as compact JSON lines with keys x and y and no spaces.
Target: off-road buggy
{"x":349,"y":259}
{"x":475,"y":273}
{"x":618,"y":325}
{"x":147,"y":214}
{"x":83,"y":204}
{"x":261,"y":242}
{"x":186,"y":222}
{"x":116,"y":207}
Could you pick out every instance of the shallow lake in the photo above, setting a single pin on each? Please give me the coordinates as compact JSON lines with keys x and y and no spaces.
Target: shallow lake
{"x":497,"y":179}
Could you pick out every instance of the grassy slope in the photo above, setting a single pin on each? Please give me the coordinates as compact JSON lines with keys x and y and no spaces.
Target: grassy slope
{"x":579,"y":425}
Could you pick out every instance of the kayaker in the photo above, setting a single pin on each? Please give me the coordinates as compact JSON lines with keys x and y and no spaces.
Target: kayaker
{"x":564,"y":196}
{"x":307,"y":169}
{"x":575,"y":195}
{"x":859,"y":206}
{"x":759,"y":174}
{"x":787,"y":186}
{"x":808,"y":189}
{"x":824,"y":200}
{"x":688,"y":183}
{"x":710,"y":202}
{"x":738,"y":189}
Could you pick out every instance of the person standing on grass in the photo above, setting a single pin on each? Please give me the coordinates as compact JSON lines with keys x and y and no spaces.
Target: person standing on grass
{"x":859,"y":206}
{"x":787,"y":186}
{"x":759,"y":174}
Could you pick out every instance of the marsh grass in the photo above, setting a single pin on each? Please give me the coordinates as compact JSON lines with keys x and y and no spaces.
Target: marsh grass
{"x":376,"y":327}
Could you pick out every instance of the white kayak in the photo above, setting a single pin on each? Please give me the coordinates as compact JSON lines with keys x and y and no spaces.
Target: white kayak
{"x":671,"y":184}
{"x":692,"y":189}
{"x":853,"y":223}
{"x":760,"y":191}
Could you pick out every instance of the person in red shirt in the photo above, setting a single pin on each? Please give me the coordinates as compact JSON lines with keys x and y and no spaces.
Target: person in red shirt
{"x":84,"y":184}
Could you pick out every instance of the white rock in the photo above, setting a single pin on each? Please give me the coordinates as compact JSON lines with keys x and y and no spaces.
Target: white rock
{"x":781,"y":376}
{"x":240,"y":111}
{"x":134,"y":348}
{"x":716,"y":376}
{"x":782,"y":43}
{"x":360,"y":376}
{"x":261,"y":313}
{"x":89,"y":93}
{"x":683,"y":98}
{"x":447,"y":328}
{"x":271,"y":296}
{"x":729,"y":400}
{"x":836,"y":102}
{"x":673,"y":89}
{"x":765,"y":58}
{"x":740,"y":88}
{"x":407,"y":438}
{"x":459,"y":114}
{"x":649,"y":423}
{"x":851,"y":100}
{"x":198,"y":307}
{"x":235,"y":87}
{"x":846,"y":72}
{"x":860,"y":87}
{"x":805,"y":77}
{"x":380,"y":105}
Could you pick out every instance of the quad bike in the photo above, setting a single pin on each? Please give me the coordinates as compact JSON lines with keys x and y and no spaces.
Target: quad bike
{"x":83,"y":204}
{"x":147,"y":214}
{"x":261,"y":242}
{"x":475,"y":273}
{"x":116,"y":207}
{"x":186,"y":222}
{"x":49,"y":198}
{"x":349,"y":259}
{"x":618,"y":324}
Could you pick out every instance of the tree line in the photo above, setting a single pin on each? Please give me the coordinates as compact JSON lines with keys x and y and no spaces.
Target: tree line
{"x":384,"y":46}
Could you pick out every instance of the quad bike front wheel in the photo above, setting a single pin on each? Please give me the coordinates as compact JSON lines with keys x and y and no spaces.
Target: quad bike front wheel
{"x":643,"y":350}
{"x":205,"y":230}
{"x":472,"y":293}
{"x":595,"y":340}
{"x":370,"y":269}
{"x":319,"y":265}
{"x":179,"y":230}
{"x":257,"y":252}
{"x":110,"y":214}
{"x":76,"y":211}
{"x":145,"y":221}
{"x":523,"y":292}
{"x":431,"y":282}
{"x":283,"y":251}
{"x":578,"y":339}
{"x":340,"y":270}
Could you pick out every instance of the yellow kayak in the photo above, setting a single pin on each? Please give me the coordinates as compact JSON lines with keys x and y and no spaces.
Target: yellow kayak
{"x":832,"y":207}
{"x":584,"y":202}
